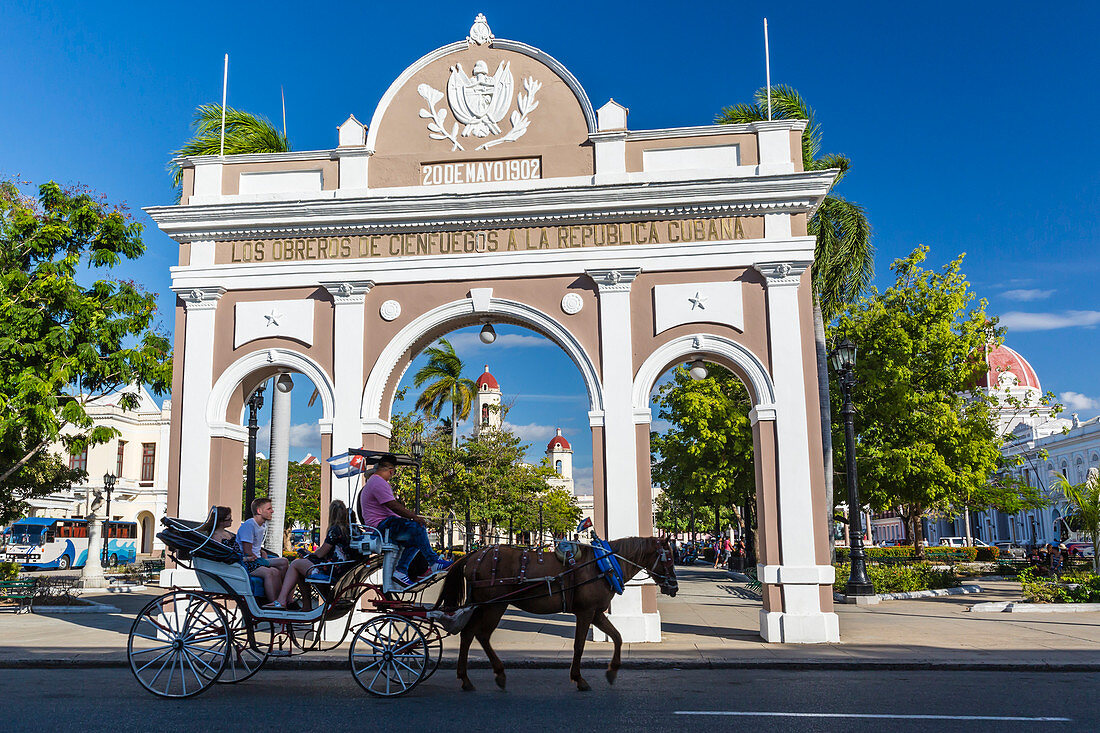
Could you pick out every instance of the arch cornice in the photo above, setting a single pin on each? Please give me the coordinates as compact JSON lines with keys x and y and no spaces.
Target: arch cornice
{"x":498,"y":43}
{"x":704,"y":344}
{"x":218,"y":402}
{"x":371,"y":410}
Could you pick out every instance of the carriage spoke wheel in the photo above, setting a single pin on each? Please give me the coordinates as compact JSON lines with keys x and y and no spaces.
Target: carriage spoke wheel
{"x":179,"y":644}
{"x":389,"y":656}
{"x":435,"y":649}
{"x":250,"y":646}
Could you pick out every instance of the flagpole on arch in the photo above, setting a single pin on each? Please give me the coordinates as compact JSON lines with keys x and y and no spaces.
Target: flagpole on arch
{"x":225,"y":86}
{"x":767,"y":69}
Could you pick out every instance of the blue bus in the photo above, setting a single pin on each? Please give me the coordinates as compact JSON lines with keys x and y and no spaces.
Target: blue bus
{"x":39,"y":543}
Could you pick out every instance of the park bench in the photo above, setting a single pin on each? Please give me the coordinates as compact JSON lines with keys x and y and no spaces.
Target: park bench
{"x":1011,"y":566}
{"x":20,"y":591}
{"x":150,"y":569}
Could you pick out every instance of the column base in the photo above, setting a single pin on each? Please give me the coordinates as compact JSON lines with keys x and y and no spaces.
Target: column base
{"x":180,"y":578}
{"x":633,"y":628}
{"x":786,"y":628}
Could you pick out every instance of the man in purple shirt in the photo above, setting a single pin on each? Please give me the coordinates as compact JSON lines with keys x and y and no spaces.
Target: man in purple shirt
{"x":380,"y":508}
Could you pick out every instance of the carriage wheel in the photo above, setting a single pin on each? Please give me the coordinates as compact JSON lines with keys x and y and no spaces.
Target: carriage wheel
{"x":251,"y":644}
{"x":173,"y":638}
{"x":389,"y":656}
{"x":435,"y":649}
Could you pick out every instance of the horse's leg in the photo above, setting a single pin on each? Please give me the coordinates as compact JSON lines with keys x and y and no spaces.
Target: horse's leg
{"x":486,"y":628}
{"x":466,"y":639}
{"x":584,"y":620}
{"x":604,"y":624}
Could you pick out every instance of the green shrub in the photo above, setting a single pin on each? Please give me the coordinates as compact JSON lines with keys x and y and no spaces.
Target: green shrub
{"x":987,"y":554}
{"x":9,"y":571}
{"x":935,"y":554}
{"x":1077,"y":587}
{"x":900,"y":578}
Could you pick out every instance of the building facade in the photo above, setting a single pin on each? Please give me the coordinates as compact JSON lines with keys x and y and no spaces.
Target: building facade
{"x":139,"y":458}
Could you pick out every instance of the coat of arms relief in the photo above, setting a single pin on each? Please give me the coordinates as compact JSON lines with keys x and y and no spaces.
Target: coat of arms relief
{"x":480,"y":101}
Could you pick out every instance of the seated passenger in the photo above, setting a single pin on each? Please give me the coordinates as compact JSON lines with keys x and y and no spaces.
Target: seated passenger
{"x":217,"y":526}
{"x":258,"y":561}
{"x":334,"y":549}
{"x":379,"y":508}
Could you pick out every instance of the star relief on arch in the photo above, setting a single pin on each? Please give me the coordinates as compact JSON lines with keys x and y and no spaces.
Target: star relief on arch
{"x":480,"y":101}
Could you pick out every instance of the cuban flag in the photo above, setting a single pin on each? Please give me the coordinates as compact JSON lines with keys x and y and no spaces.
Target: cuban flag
{"x":346,"y":465}
{"x":586,"y":524}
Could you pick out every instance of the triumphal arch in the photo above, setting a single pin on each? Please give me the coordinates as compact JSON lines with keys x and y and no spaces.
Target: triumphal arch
{"x":486,"y":188}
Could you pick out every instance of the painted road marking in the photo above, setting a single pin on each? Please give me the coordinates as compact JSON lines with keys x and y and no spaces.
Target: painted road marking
{"x":891,"y":716}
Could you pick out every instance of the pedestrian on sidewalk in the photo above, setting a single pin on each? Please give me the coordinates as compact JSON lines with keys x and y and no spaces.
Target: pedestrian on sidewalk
{"x":739,"y":555}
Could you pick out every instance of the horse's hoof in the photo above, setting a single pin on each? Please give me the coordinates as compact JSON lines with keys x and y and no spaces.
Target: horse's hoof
{"x":468,"y":687}
{"x":583,"y":686}
{"x":501,"y":681}
{"x":612,"y":674}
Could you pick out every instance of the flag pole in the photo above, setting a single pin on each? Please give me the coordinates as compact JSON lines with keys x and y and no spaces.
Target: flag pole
{"x":225,"y":85}
{"x":767,"y":69}
{"x":282,"y":94}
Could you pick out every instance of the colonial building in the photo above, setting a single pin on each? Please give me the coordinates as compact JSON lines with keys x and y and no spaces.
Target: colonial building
{"x":1048,"y":447}
{"x":138,"y":457}
{"x":486,"y":407}
{"x":560,"y":454}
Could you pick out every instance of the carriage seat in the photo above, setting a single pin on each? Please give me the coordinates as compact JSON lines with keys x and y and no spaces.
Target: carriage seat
{"x":367,"y":540}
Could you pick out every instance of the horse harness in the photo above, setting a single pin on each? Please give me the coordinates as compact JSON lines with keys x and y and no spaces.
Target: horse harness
{"x":568,"y":556}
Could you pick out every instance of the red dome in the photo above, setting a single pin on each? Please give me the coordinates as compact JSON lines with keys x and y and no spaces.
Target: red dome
{"x":1003,"y":360}
{"x":558,"y":442}
{"x":487,"y":380}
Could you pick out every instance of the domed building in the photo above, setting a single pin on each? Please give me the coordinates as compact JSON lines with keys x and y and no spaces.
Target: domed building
{"x":1049,"y":447}
{"x":486,"y":406}
{"x":560,"y":454}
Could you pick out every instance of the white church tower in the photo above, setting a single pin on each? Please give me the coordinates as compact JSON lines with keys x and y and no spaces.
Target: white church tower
{"x":560,"y":454}
{"x":486,"y":404}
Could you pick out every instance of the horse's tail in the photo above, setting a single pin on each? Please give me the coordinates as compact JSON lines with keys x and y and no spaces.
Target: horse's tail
{"x":453,"y":593}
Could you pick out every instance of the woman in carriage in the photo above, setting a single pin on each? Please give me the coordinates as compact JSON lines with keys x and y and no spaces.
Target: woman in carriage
{"x":328,"y":563}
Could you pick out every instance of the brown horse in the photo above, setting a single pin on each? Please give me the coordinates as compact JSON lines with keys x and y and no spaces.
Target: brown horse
{"x":537,"y":582}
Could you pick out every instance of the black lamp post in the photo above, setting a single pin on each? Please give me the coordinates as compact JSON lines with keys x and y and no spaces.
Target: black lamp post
{"x":540,"y":524}
{"x":255,"y":402}
{"x":844,"y":362}
{"x":417,"y":448}
{"x":108,"y":484}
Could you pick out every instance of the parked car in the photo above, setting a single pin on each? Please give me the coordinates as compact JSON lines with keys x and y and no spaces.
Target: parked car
{"x":893,"y":543}
{"x":1010,"y":550}
{"x":1080,"y":549}
{"x":959,"y":542}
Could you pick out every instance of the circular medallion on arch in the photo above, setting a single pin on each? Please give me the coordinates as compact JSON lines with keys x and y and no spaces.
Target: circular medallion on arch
{"x":390,"y":310}
{"x":572,"y":304}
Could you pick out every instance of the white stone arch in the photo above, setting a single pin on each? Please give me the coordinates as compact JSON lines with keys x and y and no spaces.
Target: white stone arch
{"x":399,"y":345}
{"x":500,"y":43}
{"x":218,"y":403}
{"x":704,"y":344}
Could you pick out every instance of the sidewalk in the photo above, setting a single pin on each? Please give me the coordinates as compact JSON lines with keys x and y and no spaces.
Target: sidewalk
{"x":712,"y":622}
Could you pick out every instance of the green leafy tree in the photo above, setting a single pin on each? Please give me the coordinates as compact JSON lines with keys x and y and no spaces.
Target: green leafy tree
{"x":244,"y":133}
{"x":303,"y":495}
{"x":844,"y":256}
{"x":66,"y":338}
{"x":704,"y":461}
{"x":926,"y":439}
{"x":1085,"y":499}
{"x":446,"y":385}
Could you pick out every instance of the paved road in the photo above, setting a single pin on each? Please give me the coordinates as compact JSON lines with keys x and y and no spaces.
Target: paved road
{"x":806,"y":701}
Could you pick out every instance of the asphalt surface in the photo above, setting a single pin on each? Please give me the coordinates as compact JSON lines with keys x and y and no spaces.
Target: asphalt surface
{"x":758,"y":700}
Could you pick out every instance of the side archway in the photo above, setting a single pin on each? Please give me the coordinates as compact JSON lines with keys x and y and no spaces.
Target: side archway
{"x":745,"y":363}
{"x":514,"y":311}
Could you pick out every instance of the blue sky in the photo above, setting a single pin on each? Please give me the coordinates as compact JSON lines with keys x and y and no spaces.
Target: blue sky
{"x":930,"y":101}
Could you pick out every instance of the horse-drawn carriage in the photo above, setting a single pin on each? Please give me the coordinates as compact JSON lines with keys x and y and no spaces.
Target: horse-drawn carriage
{"x":187,"y":640}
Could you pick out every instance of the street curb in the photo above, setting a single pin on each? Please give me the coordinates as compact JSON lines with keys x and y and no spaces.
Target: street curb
{"x":1014,"y":607}
{"x":825,"y":665}
{"x":961,"y":590}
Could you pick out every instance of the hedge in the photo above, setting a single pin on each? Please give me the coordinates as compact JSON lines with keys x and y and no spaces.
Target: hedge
{"x":899,"y":578}
{"x":941,"y":554}
{"x":1080,"y":588}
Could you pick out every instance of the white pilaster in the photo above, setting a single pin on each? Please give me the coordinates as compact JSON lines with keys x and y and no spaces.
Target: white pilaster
{"x":799,"y":576}
{"x":278,"y":457}
{"x":198,"y":372}
{"x":620,"y":449}
{"x":347,"y":361}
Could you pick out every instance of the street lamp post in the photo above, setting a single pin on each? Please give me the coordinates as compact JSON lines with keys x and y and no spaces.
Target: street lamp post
{"x":417,"y":448}
{"x":540,"y":524}
{"x":255,"y":402}
{"x":844,"y":362}
{"x":108,"y":484}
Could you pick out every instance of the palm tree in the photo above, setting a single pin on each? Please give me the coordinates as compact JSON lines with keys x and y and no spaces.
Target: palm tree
{"x":1085,"y":499}
{"x":444,"y":371}
{"x":844,"y":258}
{"x":244,"y":133}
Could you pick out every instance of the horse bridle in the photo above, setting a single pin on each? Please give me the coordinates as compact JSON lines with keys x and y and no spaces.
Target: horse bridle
{"x":662,"y":579}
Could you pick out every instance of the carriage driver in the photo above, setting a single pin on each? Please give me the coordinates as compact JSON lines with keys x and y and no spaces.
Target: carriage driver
{"x":380,"y":508}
